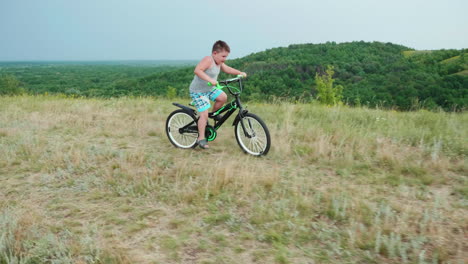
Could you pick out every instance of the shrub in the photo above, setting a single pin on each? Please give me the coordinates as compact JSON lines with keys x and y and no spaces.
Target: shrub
{"x":9,"y":85}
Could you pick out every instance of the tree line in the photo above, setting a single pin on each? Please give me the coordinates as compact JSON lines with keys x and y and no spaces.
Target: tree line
{"x":373,"y":74}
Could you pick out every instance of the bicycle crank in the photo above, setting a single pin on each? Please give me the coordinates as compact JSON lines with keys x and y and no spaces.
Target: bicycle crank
{"x":210,"y":133}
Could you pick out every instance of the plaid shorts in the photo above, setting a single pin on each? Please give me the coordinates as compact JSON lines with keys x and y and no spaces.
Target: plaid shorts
{"x":202,"y":100}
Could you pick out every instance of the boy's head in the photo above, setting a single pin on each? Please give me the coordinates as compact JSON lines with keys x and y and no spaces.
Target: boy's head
{"x":220,"y":51}
{"x":220,"y":46}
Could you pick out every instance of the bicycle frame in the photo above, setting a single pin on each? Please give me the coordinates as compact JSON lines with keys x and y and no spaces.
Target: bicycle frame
{"x":229,"y":109}
{"x":250,"y":130}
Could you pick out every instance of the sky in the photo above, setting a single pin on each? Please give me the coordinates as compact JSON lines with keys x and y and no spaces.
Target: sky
{"x":186,"y":29}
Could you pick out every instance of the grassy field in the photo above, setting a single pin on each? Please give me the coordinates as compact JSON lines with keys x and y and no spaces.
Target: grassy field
{"x":97,"y":181}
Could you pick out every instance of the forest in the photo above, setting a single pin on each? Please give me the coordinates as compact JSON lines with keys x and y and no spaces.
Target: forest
{"x":373,"y":74}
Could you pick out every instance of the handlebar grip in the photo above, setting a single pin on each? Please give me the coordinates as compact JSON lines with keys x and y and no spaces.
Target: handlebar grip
{"x":218,"y":86}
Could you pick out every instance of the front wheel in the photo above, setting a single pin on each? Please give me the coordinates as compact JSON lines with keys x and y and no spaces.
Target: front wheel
{"x":252,"y":135}
{"x":181,"y":129}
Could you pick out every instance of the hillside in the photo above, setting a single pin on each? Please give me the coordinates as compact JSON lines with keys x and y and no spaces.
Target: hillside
{"x":372,"y":74}
{"x":97,"y":181}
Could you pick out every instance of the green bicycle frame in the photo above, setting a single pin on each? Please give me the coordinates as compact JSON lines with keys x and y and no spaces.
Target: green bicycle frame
{"x":231,"y":107}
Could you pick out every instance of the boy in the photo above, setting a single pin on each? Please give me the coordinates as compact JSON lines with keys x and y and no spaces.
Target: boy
{"x":206,"y":71}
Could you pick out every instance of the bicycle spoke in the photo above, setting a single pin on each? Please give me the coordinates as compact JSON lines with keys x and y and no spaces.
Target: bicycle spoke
{"x":259,"y":144}
{"x":252,"y":135}
{"x":175,"y":122}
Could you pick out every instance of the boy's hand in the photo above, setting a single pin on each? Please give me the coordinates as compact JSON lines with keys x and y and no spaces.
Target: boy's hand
{"x":212,"y":83}
{"x":243,"y":74}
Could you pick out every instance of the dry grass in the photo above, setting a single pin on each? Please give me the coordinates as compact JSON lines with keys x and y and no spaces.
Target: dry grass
{"x":97,"y":181}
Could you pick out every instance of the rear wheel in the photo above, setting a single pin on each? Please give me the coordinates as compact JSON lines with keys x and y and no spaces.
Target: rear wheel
{"x":181,"y":129}
{"x":252,"y":135}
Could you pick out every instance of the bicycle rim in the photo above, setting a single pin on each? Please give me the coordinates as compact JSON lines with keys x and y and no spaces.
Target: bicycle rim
{"x":255,"y":140}
{"x":179,"y":119}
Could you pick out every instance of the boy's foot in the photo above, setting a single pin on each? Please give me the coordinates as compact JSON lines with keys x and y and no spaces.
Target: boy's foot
{"x":203,"y":143}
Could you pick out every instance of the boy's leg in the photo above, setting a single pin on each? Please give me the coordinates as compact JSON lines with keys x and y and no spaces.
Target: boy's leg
{"x":202,"y":104}
{"x":220,"y":100}
{"x":202,"y":120}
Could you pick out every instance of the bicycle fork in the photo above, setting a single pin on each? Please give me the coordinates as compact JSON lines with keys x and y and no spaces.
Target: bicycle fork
{"x":245,"y":127}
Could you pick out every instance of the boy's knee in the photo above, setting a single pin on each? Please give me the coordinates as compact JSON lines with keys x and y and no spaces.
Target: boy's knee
{"x":222,"y":98}
{"x":203,"y":114}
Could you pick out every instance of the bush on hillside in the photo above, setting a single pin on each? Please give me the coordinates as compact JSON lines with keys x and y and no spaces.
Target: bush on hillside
{"x":9,"y":85}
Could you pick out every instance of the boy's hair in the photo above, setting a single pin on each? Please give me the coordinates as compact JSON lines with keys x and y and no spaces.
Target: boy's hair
{"x":220,"y":46}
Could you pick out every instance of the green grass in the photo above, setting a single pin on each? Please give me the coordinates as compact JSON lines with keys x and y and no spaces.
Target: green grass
{"x":450,"y":60}
{"x":97,"y":181}
{"x":409,"y":53}
{"x":463,"y":73}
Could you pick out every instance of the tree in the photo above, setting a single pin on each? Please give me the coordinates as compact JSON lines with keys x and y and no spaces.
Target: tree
{"x":171,"y":92}
{"x":9,"y":85}
{"x":328,"y":93}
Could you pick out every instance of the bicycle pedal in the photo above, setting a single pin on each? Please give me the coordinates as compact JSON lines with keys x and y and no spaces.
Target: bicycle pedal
{"x":216,"y":117}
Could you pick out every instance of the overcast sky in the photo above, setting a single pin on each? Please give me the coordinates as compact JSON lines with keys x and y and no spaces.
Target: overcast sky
{"x":186,"y":29}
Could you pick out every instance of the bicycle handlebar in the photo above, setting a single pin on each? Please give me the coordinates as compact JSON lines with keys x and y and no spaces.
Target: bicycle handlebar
{"x":226,"y":82}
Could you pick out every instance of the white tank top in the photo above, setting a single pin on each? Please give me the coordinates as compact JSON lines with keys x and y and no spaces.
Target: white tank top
{"x":199,"y":85}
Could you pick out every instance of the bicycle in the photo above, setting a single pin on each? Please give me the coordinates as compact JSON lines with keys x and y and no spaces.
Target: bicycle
{"x":251,"y":132}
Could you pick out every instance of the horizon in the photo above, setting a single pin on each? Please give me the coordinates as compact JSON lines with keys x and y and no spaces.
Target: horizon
{"x":110,"y":60}
{"x":195,"y":60}
{"x":88,"y":30}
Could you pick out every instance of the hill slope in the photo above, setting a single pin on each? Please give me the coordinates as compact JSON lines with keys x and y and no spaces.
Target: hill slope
{"x":97,"y":181}
{"x":375,"y":74}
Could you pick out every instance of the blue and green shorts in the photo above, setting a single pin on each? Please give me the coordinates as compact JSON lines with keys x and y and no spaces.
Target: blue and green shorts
{"x":202,"y":100}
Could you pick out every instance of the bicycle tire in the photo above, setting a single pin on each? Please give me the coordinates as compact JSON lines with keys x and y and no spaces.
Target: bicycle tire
{"x":177,"y":120}
{"x":259,"y":142}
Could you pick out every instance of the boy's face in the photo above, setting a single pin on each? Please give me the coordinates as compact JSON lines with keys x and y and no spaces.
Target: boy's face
{"x":220,"y":56}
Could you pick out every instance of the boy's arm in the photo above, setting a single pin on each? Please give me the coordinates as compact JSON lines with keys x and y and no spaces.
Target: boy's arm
{"x":230,"y":70}
{"x":200,"y":69}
